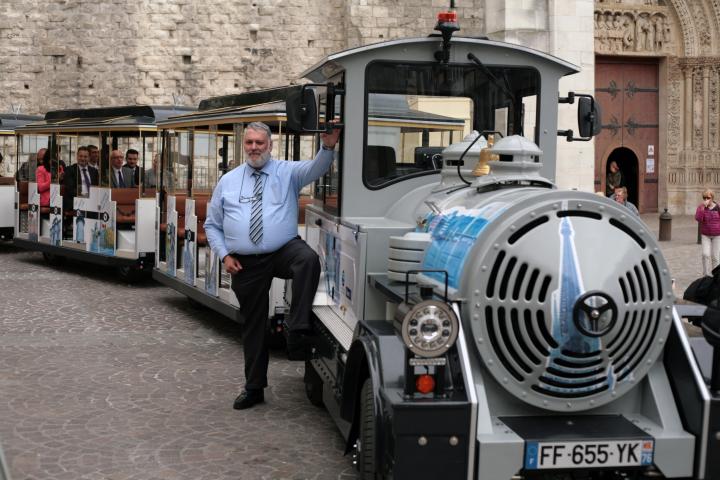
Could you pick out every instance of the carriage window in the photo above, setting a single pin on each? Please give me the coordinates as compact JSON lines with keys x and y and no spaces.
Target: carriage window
{"x":414,"y":111}
{"x":7,"y":155}
{"x":204,"y":162}
{"x":27,"y":160}
{"x":175,"y":170}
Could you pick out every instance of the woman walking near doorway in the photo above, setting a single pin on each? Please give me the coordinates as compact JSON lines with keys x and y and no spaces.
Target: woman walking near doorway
{"x":708,"y":216}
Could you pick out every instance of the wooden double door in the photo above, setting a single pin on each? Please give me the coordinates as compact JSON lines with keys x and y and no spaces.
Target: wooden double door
{"x":627,"y":90}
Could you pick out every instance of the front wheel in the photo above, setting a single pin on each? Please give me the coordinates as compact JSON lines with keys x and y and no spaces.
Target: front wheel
{"x":52,"y":259}
{"x":366,"y":443}
{"x":195,"y":304}
{"x":129,"y":274}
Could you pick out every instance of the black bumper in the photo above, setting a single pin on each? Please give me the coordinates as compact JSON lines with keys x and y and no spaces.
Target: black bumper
{"x":200,"y":296}
{"x":143,"y":263}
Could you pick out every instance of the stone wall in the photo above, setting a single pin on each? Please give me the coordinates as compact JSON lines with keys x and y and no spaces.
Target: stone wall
{"x":80,"y":53}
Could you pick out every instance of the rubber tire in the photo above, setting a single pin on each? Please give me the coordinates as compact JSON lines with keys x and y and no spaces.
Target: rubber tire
{"x":129,"y":274}
{"x":195,"y":304}
{"x":367,"y":435}
{"x":313,"y":385}
{"x":52,"y":259}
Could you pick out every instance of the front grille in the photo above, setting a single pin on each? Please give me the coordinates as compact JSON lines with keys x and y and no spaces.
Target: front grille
{"x":528,"y":330}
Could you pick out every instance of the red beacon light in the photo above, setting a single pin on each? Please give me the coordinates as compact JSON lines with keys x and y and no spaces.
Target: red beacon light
{"x":447,"y":17}
{"x":447,"y":24}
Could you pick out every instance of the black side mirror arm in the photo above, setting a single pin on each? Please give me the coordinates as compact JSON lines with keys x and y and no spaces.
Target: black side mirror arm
{"x":570,"y":99}
{"x":711,"y":331}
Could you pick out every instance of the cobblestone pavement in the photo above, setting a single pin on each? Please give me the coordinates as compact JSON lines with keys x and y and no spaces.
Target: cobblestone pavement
{"x":104,"y":381}
{"x":682,"y":252}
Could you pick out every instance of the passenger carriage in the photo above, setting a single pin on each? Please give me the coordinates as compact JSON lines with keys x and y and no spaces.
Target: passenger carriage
{"x":9,"y":162}
{"x":467,"y":324}
{"x":99,"y":223}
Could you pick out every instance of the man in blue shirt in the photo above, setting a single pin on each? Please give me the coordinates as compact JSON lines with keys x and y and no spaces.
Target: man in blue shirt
{"x":252,"y":225}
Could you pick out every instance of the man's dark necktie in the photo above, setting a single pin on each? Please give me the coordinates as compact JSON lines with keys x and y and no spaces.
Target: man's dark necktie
{"x":256,"y":221}
{"x":86,"y":179}
{"x":121,"y":182}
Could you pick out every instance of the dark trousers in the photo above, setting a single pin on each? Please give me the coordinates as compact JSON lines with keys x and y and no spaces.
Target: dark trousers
{"x":296,"y":261}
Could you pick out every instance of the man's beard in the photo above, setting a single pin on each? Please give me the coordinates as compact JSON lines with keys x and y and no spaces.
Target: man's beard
{"x":260,"y":163}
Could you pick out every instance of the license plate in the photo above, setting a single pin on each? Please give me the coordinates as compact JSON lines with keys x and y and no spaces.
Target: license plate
{"x":624,"y":453}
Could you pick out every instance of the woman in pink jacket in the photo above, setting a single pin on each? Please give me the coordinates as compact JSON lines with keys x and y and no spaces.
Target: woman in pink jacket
{"x":43,"y":177}
{"x":708,"y":215}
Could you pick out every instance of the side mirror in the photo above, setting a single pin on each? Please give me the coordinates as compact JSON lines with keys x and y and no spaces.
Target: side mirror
{"x":302,"y":110}
{"x":589,"y":117}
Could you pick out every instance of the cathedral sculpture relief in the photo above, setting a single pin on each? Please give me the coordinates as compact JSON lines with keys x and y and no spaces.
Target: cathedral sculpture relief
{"x":631,"y":31}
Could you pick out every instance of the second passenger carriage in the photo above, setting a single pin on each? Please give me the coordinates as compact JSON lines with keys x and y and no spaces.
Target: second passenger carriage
{"x":201,"y":146}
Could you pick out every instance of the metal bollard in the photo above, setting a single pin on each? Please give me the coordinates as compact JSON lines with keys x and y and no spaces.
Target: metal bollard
{"x":665,"y":226}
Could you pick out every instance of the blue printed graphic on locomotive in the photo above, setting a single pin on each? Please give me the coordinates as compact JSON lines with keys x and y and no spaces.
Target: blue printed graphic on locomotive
{"x":454,"y":233}
{"x":564,"y":330}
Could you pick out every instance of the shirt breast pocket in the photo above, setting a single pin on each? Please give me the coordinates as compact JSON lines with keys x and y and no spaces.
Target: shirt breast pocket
{"x":277,"y":193}
{"x":230,"y":197}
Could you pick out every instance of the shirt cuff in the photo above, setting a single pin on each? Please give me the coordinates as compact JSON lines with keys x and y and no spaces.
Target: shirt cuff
{"x":325,"y":147}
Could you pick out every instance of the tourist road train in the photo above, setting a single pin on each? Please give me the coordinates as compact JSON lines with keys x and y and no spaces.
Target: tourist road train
{"x":468,"y":324}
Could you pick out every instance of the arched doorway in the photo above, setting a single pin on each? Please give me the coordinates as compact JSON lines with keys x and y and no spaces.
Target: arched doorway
{"x":627,"y":161}
{"x":628,"y":93}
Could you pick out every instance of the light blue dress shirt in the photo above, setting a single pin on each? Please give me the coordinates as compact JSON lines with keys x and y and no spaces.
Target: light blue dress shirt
{"x":228,"y":215}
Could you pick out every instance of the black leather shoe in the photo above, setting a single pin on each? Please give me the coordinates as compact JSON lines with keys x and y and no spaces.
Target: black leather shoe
{"x":299,"y":345}
{"x":248,"y":398}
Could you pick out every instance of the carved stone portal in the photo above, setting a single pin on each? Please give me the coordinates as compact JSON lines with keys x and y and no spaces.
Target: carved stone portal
{"x":631,"y":31}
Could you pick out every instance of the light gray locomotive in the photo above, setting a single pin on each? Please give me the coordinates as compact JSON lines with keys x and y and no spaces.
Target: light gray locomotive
{"x":491,"y":326}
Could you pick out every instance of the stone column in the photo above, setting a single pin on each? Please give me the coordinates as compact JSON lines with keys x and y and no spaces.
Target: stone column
{"x":518,"y":21}
{"x":706,"y":110}
{"x":571,"y":26}
{"x":563,"y":28}
{"x":687,"y":108}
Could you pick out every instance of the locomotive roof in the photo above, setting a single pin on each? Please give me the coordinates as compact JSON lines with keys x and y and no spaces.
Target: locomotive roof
{"x":329,"y":66}
{"x":124,"y":118}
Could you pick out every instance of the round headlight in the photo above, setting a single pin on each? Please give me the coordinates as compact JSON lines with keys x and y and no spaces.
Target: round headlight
{"x":429,"y":328}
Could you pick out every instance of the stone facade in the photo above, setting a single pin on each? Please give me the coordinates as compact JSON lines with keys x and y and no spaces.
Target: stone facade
{"x":81,"y":53}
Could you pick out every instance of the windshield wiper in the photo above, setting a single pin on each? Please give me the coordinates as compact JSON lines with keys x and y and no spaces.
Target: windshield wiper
{"x":502,"y":86}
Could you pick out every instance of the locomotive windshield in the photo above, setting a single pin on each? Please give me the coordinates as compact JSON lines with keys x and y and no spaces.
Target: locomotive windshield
{"x":414,"y":110}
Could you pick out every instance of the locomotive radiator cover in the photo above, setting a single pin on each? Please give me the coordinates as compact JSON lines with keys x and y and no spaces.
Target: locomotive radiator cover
{"x":569,"y":299}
